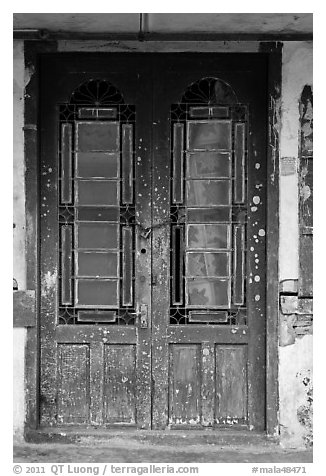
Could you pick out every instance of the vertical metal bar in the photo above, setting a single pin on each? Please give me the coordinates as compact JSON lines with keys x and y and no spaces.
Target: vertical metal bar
{"x":178,"y":139}
{"x":127,"y":163}
{"x":239,"y":163}
{"x":66,"y":264}
{"x":66,"y":161}
{"x":127,"y":288}
{"x":238,"y":264}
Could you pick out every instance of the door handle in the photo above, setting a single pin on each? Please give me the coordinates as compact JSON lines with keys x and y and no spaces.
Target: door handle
{"x":141,"y":315}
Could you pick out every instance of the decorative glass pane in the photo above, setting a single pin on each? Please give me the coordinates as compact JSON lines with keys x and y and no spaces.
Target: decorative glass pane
{"x":66,"y":264}
{"x":97,"y":316}
{"x":96,"y":293}
{"x":208,"y":236}
{"x":127,"y":163}
{"x":208,"y":215}
{"x":99,"y":92}
{"x":177,"y":265}
{"x":66,"y":163}
{"x":239,"y":163}
{"x":219,"y":111}
{"x":178,"y":138}
{"x":209,"y":111}
{"x":98,"y":214}
{"x":209,"y":165}
{"x":97,"y":264}
{"x":208,"y":135}
{"x":208,"y":192}
{"x":239,"y":214}
{"x":208,"y":292}
{"x":97,"y":136}
{"x":127,"y":271}
{"x":97,"y":113}
{"x":240,"y":113}
{"x":96,"y":192}
{"x":208,"y":316}
{"x":208,"y":264}
{"x":97,"y":236}
{"x":206,"y":269}
{"x":238,"y":264}
{"x":209,"y":90}
{"x":200,"y":111}
{"x":97,"y":164}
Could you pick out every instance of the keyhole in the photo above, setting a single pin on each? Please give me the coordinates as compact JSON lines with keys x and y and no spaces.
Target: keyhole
{"x":143,"y":251}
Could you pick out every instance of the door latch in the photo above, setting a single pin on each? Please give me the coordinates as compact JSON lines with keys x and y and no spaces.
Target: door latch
{"x":141,"y":315}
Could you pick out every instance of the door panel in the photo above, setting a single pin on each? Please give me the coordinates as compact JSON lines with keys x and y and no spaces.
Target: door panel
{"x":152,"y":240}
{"x":208,"y":319}
{"x":95,"y":356}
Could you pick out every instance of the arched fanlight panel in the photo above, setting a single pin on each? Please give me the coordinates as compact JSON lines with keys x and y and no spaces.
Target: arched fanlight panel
{"x":96,"y":92}
{"x":209,"y":91}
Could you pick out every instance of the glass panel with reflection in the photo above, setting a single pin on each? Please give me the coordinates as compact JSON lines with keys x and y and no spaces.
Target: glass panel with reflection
{"x":97,"y":236}
{"x":208,"y":236}
{"x":208,"y":292}
{"x":97,"y":136}
{"x":208,"y":192}
{"x":209,"y":135}
{"x":97,"y":164}
{"x":96,"y":192}
{"x":97,"y":264}
{"x":207,"y":264}
{"x":97,"y":293}
{"x":209,"y":164}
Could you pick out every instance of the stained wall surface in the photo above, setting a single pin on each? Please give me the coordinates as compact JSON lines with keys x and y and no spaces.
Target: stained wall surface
{"x":295,"y":355}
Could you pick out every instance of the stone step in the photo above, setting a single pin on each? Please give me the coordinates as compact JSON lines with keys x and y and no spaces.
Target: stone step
{"x":92,"y":436}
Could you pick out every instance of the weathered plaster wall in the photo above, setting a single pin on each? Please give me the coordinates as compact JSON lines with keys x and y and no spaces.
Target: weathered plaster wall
{"x":296,"y":72}
{"x":295,"y":381}
{"x":295,"y":354}
{"x":19,"y":264}
{"x":18,"y":382}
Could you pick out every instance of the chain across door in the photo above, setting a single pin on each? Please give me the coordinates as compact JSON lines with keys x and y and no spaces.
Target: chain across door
{"x":153,"y":240}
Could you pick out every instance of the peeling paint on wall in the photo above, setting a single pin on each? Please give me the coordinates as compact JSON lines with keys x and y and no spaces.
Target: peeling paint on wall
{"x":296,"y":72}
{"x":28,"y":73}
{"x":295,"y":364}
{"x":295,"y":351}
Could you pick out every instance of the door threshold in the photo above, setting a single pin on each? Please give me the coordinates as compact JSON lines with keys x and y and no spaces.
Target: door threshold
{"x":92,"y":435}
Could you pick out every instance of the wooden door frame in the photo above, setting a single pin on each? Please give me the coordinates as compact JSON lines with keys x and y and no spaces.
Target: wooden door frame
{"x":33,"y":50}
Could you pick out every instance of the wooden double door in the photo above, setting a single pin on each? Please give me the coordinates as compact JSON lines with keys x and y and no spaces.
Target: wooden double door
{"x":152,"y":240}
